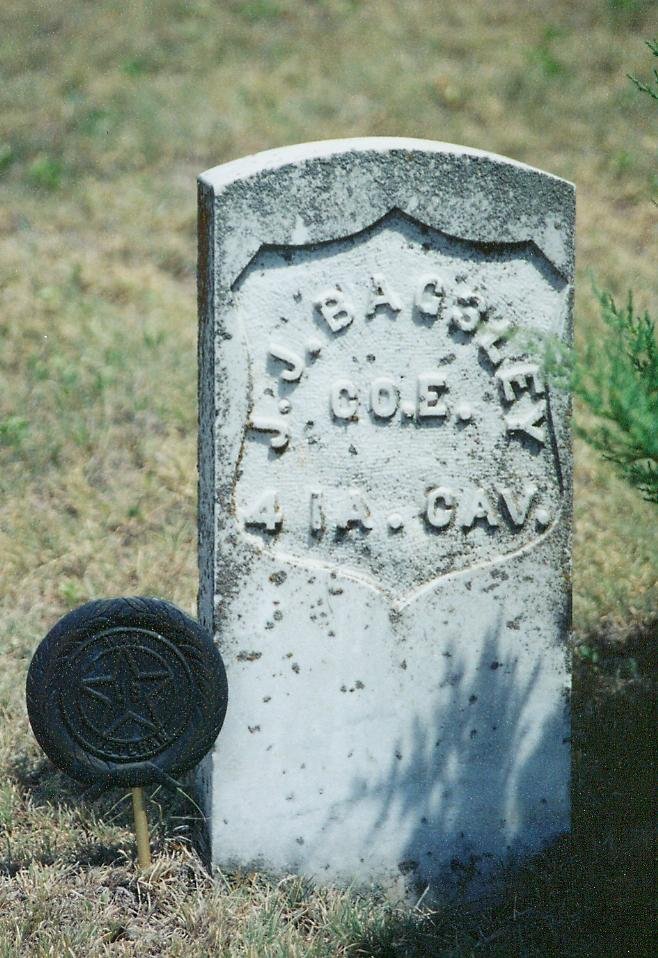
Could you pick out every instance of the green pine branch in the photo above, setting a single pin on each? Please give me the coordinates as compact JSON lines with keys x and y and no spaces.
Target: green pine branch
{"x":616,"y":377}
{"x":652,"y":89}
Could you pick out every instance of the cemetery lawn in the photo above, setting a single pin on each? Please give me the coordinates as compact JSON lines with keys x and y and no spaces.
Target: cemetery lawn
{"x":108,"y":111}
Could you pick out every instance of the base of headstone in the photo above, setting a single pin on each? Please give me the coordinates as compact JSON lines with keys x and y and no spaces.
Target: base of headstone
{"x":385,"y":512}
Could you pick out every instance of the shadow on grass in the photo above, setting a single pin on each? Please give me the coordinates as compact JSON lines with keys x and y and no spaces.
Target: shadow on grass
{"x":44,"y":784}
{"x":54,"y":793}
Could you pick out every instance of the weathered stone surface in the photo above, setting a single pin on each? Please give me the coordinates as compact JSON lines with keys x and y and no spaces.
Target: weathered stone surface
{"x":384,"y":511}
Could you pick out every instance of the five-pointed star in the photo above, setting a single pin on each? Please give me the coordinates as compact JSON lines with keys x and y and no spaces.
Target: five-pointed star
{"x":127,"y":689}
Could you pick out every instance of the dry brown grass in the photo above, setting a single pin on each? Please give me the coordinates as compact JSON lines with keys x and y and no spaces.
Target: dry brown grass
{"x":108,"y":111}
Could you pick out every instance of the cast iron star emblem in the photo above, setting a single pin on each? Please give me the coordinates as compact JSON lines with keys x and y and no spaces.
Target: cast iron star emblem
{"x":127,"y":691}
{"x":129,"y":694}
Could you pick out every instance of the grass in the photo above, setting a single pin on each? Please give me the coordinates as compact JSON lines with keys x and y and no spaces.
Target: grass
{"x":68,"y":885}
{"x":108,"y":112}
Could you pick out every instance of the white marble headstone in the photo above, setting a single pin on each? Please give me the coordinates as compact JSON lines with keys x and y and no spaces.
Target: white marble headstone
{"x":385,"y":508}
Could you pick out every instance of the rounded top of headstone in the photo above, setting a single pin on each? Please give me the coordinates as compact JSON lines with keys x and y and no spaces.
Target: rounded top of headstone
{"x":313,"y":192}
{"x":122,"y":689}
{"x":225,"y":173}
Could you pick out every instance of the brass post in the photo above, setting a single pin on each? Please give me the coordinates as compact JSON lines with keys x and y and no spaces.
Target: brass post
{"x":141,"y":828}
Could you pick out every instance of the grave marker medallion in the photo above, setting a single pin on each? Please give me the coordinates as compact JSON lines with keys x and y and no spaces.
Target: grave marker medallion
{"x":385,"y":509}
{"x":125,"y":692}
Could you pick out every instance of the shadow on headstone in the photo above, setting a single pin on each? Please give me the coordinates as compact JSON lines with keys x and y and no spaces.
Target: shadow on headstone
{"x":481,"y":766}
{"x":588,"y":894}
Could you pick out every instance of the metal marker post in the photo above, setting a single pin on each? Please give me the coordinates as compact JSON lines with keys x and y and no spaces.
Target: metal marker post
{"x":141,"y":828}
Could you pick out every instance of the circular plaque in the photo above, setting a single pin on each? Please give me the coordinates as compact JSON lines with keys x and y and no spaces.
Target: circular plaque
{"x":122,"y":689}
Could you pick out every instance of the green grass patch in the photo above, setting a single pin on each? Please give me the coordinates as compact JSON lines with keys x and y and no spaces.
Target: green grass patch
{"x":13,"y":431}
{"x":46,"y":172}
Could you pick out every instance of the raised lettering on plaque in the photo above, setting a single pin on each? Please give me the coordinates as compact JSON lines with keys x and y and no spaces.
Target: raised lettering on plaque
{"x":420,"y":381}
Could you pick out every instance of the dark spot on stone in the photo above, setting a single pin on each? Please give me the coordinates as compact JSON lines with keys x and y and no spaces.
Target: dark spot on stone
{"x":248,"y":656}
{"x":473,"y":732}
{"x":253,"y":728}
{"x":472,"y":698}
{"x":278,"y":578}
{"x":269,"y":625}
{"x":494,"y":665}
{"x":514,"y":623}
{"x":278,"y":615}
{"x":352,"y":450}
{"x":407,"y":866}
{"x":267,"y":698}
{"x":295,"y":668}
{"x":300,"y":840}
{"x":359,"y":684}
{"x":331,"y":634}
{"x":398,"y":754}
{"x":403,"y":664}
{"x":343,"y":688}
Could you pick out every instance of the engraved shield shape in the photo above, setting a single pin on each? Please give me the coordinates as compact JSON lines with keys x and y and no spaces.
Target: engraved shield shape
{"x":397,"y":429}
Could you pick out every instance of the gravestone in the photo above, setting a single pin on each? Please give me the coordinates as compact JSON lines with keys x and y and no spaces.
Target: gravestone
{"x":385,"y":508}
